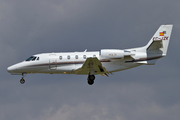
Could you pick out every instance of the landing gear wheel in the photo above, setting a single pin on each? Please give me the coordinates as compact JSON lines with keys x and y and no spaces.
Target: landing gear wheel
{"x":90,"y":82}
{"x":91,"y":79}
{"x":22,"y":81}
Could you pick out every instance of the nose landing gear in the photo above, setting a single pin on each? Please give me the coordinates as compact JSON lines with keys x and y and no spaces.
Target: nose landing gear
{"x":22,"y":81}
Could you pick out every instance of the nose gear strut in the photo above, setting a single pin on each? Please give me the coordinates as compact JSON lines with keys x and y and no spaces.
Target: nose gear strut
{"x":22,"y":81}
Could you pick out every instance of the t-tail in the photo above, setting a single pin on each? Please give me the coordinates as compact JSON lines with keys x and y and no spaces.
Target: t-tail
{"x":156,"y":48}
{"x":160,"y":41}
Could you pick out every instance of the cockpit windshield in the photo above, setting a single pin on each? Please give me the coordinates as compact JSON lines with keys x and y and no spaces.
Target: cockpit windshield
{"x":32,"y":58}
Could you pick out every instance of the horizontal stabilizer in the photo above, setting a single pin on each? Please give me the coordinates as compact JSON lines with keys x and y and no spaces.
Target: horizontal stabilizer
{"x":155,"y":45}
{"x":149,"y":62}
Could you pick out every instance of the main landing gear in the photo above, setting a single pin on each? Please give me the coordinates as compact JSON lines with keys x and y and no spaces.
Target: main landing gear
{"x":90,"y":79}
{"x":22,"y":81}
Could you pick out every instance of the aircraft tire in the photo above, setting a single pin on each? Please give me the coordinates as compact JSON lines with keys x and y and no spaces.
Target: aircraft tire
{"x":91,"y":79}
{"x":22,"y":81}
{"x":90,"y":82}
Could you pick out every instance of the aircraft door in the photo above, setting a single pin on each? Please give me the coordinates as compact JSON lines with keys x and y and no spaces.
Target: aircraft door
{"x":52,"y":62}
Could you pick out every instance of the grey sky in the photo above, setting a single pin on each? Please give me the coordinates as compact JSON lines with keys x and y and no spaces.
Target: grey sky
{"x":29,"y":27}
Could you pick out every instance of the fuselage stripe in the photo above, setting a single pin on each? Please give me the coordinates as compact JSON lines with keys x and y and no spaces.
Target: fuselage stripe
{"x":63,"y":63}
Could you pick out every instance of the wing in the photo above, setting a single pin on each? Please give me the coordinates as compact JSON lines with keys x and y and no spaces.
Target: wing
{"x":92,"y":66}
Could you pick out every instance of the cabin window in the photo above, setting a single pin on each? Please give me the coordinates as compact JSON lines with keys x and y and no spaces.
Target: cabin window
{"x":94,"y":55}
{"x":84,"y":56}
{"x":68,"y":57}
{"x":60,"y":57}
{"x":76,"y":56}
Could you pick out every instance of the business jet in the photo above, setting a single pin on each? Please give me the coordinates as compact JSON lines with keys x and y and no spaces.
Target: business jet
{"x":103,"y":62}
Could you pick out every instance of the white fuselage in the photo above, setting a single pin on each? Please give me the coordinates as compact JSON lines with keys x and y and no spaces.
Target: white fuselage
{"x":66,"y":63}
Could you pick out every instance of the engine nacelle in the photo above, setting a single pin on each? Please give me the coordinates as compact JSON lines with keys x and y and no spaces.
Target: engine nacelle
{"x":112,"y":53}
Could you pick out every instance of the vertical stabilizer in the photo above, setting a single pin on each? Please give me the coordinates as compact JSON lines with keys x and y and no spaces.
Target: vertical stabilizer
{"x":160,"y":41}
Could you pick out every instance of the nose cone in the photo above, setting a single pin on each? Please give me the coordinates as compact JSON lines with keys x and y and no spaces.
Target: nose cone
{"x":11,"y":68}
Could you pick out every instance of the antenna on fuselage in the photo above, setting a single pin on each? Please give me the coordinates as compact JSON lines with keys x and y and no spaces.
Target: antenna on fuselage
{"x":85,"y":50}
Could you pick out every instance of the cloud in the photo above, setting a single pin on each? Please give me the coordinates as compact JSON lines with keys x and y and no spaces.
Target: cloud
{"x":90,"y":111}
{"x":81,"y":111}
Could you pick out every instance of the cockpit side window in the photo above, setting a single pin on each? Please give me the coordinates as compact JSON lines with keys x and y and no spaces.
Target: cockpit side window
{"x":34,"y":58}
{"x":30,"y":58}
{"x":38,"y":58}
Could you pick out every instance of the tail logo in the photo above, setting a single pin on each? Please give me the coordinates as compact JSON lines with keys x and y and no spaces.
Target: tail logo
{"x":162,"y":33}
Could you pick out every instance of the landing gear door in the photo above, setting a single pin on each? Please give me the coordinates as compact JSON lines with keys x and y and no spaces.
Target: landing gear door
{"x":52,"y":62}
